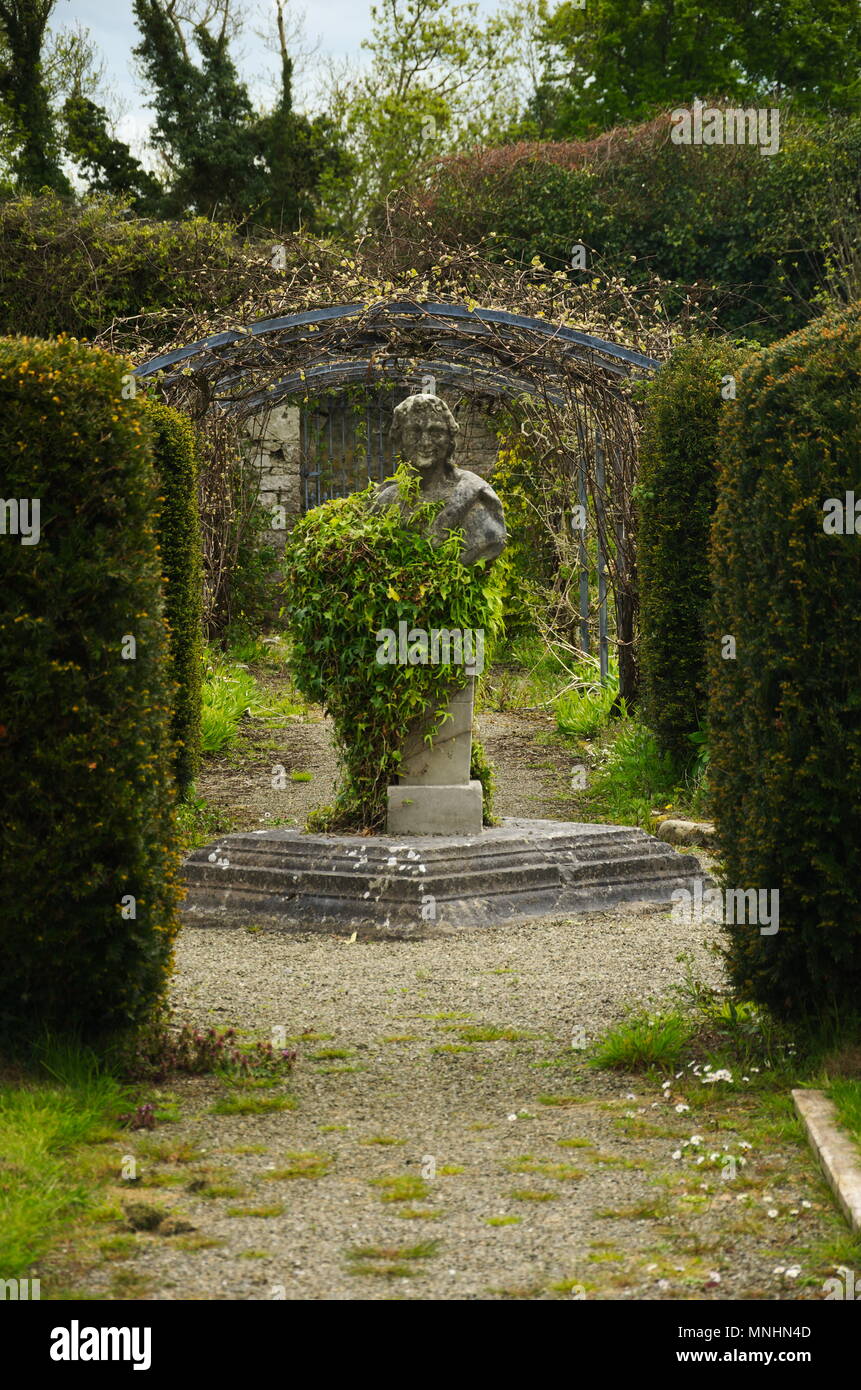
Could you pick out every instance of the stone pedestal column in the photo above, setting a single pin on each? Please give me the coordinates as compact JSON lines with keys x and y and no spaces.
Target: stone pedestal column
{"x":434,"y":794}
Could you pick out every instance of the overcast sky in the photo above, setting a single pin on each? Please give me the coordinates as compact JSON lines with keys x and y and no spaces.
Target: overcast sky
{"x":335,"y":27}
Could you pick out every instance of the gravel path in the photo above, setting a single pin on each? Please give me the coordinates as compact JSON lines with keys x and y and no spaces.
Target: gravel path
{"x":500,"y":1193}
{"x":442,"y":1135}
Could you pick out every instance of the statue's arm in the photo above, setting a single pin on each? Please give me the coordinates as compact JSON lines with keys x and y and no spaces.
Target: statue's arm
{"x":485,"y":534}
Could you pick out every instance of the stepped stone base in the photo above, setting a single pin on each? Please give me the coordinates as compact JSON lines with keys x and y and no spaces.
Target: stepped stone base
{"x":427,"y":884}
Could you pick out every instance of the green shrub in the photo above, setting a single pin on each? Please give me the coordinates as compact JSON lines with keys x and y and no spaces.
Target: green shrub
{"x":87,"y":815}
{"x":675,"y":495}
{"x":74,"y":267}
{"x":785,"y":767}
{"x":349,"y":574}
{"x":763,"y":239}
{"x":175,"y":460}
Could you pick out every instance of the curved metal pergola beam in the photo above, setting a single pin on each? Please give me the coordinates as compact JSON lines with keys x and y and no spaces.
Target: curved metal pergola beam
{"x":350,"y":371}
{"x":302,"y":325}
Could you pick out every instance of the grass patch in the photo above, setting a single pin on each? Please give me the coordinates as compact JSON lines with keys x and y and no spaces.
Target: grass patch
{"x":48,"y":1117}
{"x":385,"y":1140}
{"x":846,"y":1095}
{"x":502,"y":1220}
{"x":644,"y":1040}
{"x":301,"y":1165}
{"x":405,"y":1188}
{"x":230,"y":693}
{"x":390,"y":1262}
{"x":490,"y":1034}
{"x":199,"y":823}
{"x":419,"y":1214}
{"x":264,"y":1212}
{"x":529,"y":1194}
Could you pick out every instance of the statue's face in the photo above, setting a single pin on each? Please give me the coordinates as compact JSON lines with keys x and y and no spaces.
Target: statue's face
{"x":427,"y":441}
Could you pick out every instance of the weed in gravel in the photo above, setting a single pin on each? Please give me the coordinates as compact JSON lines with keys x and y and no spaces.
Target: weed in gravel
{"x":214,"y":1190}
{"x":262,"y":1212}
{"x":527,"y":1194}
{"x":644,"y":1040}
{"x":390,"y":1262}
{"x":518,"y":1291}
{"x":405,"y":1188}
{"x":252,"y":1105}
{"x":192,"y":1244}
{"x":383,"y":1139}
{"x":168,"y":1151}
{"x":119,"y":1248}
{"x":424,"y":1250}
{"x":502,"y":1220}
{"x":301,"y":1165}
{"x":491,"y":1034}
{"x":330,"y":1054}
{"x":418,"y":1214}
{"x":127,"y":1283}
{"x":527,"y":1164}
{"x":575,"y":1143}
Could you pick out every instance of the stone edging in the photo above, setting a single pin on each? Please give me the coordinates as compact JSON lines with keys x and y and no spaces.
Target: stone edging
{"x":838,"y":1156}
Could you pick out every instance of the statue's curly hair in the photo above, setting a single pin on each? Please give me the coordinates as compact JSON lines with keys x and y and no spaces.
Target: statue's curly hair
{"x":429,"y":403}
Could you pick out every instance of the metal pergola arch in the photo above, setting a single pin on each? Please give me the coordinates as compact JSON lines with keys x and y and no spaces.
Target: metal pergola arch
{"x":489,"y":329}
{"x":487,"y":352}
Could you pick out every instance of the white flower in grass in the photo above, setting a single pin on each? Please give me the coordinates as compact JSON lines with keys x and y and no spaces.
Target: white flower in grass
{"x":677,"y":1153}
{"x":807,"y":1204}
{"x":681,"y":1108}
{"x":772,"y":1212}
{"x":793,"y":1271}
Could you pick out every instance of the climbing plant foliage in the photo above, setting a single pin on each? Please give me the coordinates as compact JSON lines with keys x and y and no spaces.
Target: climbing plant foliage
{"x":351,"y":574}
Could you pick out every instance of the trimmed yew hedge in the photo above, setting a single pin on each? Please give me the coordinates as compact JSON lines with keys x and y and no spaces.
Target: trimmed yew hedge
{"x":88,"y":852}
{"x":675,"y":494}
{"x":786,"y":712}
{"x":178,"y":530}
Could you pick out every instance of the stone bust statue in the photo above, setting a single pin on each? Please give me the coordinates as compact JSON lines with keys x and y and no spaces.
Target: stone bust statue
{"x":424,"y":432}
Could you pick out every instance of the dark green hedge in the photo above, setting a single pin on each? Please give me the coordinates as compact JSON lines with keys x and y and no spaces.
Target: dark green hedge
{"x":178,"y":530}
{"x":786,"y":713}
{"x":764,"y":231}
{"x":87,"y":814}
{"x":675,"y":496}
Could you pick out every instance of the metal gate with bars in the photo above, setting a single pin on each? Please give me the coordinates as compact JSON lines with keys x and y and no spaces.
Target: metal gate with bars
{"x":345,"y":444}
